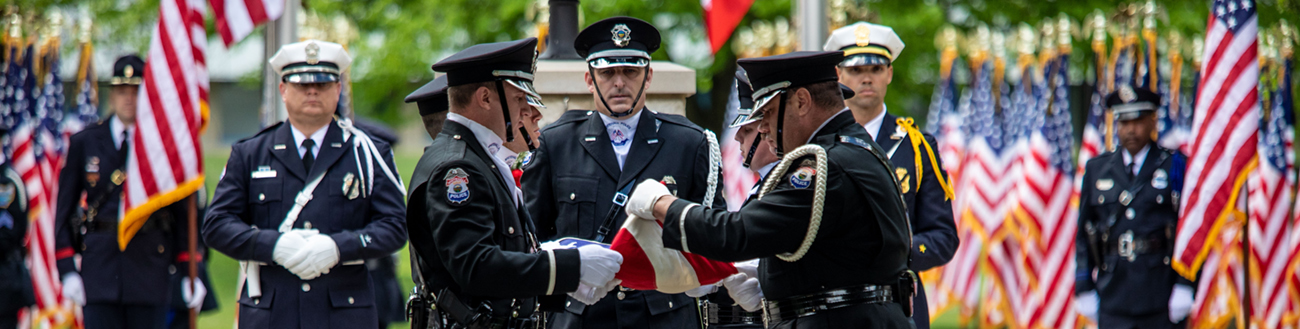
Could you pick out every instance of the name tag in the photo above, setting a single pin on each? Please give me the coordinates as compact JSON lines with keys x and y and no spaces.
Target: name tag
{"x":264,"y":174}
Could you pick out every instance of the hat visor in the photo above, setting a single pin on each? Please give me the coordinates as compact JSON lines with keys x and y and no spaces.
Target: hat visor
{"x":311,"y":77}
{"x":1132,"y":115}
{"x":525,"y":86}
{"x":1132,"y":111}
{"x":760,"y":102}
{"x":865,"y":59}
{"x":607,"y":62}
{"x":123,"y":81}
{"x":743,"y":119}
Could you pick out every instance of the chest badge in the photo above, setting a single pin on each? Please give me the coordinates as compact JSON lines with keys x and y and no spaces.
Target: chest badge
{"x":1159,"y":179}
{"x":7,"y":193}
{"x":903,"y":181}
{"x":670,"y":183}
{"x":457,"y":186}
{"x":802,"y":178}
{"x":1105,"y":184}
{"x":350,"y":186}
{"x":92,"y":165}
{"x":118,"y":177}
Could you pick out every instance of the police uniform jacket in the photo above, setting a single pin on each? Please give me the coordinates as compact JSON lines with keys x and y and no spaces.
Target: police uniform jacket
{"x":15,"y":280}
{"x":934,"y":234}
{"x":112,"y":275}
{"x":570,"y":182}
{"x":472,"y":236}
{"x":261,"y":179}
{"x":863,"y":238}
{"x":1140,"y":286}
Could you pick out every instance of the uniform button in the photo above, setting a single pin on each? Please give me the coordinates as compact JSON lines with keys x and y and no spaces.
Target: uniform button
{"x":306,"y":225}
{"x":257,"y":301}
{"x":1160,"y":199}
{"x":621,"y":295}
{"x":171,"y":269}
{"x":493,"y":166}
{"x":306,"y":287}
{"x":1166,"y":260}
{"x":511,"y":230}
{"x":1101,"y":199}
{"x":261,"y":196}
{"x":514,"y":314}
{"x":161,"y":249}
{"x":567,"y":303}
{"x":455,"y":137}
{"x":351,"y":301}
{"x":572,"y":196}
{"x":670,"y":304}
{"x":1129,"y":213}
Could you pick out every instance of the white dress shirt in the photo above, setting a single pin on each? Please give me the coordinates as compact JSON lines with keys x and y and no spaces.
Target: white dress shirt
{"x":492,"y":144}
{"x":627,"y":125}
{"x":318,"y":136}
{"x":118,"y":127}
{"x":1136,"y":159}
{"x":873,"y":126}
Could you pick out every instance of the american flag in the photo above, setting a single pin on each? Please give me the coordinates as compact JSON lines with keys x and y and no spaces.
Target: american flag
{"x":1095,"y":126}
{"x":1176,"y":116}
{"x":1045,"y":198}
{"x":1007,"y":247}
{"x":1225,"y":132}
{"x":164,"y":164}
{"x":961,"y":279}
{"x":86,"y":109}
{"x":236,"y":18}
{"x":199,"y":44}
{"x":1270,"y":189}
{"x":943,"y":122}
{"x":49,"y":150}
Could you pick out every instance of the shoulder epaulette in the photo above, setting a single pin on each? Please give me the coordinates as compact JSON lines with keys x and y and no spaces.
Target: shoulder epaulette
{"x":856,"y":141}
{"x":679,"y":120}
{"x":266,"y":130}
{"x":570,"y":116}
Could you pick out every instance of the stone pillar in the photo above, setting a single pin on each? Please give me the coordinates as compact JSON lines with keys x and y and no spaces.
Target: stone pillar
{"x":563,"y":87}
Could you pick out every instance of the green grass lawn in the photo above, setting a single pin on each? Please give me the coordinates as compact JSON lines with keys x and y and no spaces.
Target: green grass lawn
{"x":224,"y":271}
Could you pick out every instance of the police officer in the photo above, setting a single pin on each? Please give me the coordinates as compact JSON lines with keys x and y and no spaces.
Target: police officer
{"x":829,"y":224}
{"x":577,"y":181}
{"x":431,"y":99}
{"x":302,"y":209}
{"x":869,"y":53}
{"x":15,"y":280}
{"x":179,"y":312}
{"x":478,"y":252}
{"x":1128,"y":212}
{"x":119,"y":288}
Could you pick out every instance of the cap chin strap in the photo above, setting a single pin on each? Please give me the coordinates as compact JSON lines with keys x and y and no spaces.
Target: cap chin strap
{"x":780,"y":126}
{"x":749,"y":157}
{"x":613,"y":114}
{"x":505,"y":111}
{"x":527,"y":139}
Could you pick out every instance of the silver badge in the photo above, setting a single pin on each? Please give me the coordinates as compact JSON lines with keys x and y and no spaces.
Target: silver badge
{"x":621,"y":35}
{"x":1127,"y":94}
{"x":313,"y":53}
{"x":348,"y":181}
{"x":1105,"y":184}
{"x":1125,"y":198}
{"x":1159,"y":180}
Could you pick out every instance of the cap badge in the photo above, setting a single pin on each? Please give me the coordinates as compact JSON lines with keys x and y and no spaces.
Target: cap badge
{"x":863,"y":35}
{"x":621,"y":35}
{"x":313,"y":53}
{"x":128,"y":71}
{"x":1126,"y":94}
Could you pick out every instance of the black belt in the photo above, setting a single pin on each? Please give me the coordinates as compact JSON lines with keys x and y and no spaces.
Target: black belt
{"x":807,"y":305}
{"x":101,"y":226}
{"x":715,"y":313}
{"x":1128,"y":247}
{"x":459,"y":315}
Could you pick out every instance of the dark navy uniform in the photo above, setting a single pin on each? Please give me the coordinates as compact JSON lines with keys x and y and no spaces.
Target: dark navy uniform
{"x":257,"y":189}
{"x":15,"y":280}
{"x":121,"y":286}
{"x":1127,"y":225}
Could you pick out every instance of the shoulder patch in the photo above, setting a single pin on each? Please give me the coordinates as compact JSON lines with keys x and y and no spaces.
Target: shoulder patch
{"x":8,"y":192}
{"x":457,"y":182}
{"x":677,"y":120}
{"x":264,"y":131}
{"x":802,"y":178}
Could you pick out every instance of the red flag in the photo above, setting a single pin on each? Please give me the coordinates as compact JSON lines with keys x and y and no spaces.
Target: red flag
{"x":165,"y":160}
{"x":237,"y":18}
{"x":721,"y":18}
{"x":648,"y":265}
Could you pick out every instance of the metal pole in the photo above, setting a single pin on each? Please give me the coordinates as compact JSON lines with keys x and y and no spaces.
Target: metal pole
{"x":564,"y":29}
{"x":812,"y":24}
{"x":277,"y":33}
{"x":193,"y":233}
{"x":1245,"y":268}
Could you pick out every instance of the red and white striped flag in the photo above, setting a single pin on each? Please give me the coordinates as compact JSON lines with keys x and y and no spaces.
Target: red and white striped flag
{"x":165,"y":161}
{"x":1270,"y":189}
{"x":237,"y":18}
{"x":1224,"y":132}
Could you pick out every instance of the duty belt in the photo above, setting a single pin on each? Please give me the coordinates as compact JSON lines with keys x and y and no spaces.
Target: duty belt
{"x":810,"y":304}
{"x":1129,"y":247}
{"x":718,"y":314}
{"x":459,"y":315}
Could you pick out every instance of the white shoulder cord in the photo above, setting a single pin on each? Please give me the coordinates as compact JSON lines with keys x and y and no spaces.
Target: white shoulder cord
{"x":715,"y":162}
{"x":363,"y":145}
{"x":819,"y":195}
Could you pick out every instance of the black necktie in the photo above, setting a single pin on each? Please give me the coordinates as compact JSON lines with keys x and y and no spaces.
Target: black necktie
{"x":1129,"y":170}
{"x":307,"y":157}
{"x":122,"y":149}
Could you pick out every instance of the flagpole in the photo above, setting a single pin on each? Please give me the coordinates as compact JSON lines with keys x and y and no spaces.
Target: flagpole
{"x":279,"y":32}
{"x":192,"y":218}
{"x":1245,"y":262}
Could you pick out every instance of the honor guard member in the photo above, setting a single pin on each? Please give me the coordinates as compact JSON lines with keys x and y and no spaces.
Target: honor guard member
{"x":476,"y":245}
{"x":578,"y":181}
{"x":431,"y":99}
{"x":1128,"y":213}
{"x":15,"y":280}
{"x":302,"y":204}
{"x":828,"y":224}
{"x":119,"y":288}
{"x":869,"y":53}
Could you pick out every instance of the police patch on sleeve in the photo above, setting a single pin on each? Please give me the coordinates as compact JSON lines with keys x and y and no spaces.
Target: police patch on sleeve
{"x":7,"y":195}
{"x":802,"y":178}
{"x":457,"y":186}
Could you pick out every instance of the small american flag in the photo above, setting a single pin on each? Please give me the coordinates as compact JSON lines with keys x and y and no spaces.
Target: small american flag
{"x":1270,"y":189}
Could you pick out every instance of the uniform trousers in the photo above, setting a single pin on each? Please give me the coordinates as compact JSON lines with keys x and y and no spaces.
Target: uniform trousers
{"x":125,"y":316}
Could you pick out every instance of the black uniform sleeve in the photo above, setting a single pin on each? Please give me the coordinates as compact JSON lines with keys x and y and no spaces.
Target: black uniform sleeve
{"x":539,"y":199}
{"x":226,"y":228}
{"x":465,"y":237}
{"x":71,"y":183}
{"x":1082,"y":249}
{"x":934,"y":234}
{"x":385,"y":230}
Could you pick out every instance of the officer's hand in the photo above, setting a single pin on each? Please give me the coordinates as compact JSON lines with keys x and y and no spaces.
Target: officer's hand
{"x":193,"y":298}
{"x":598,"y":265}
{"x":1086,"y":304}
{"x":287,"y":247}
{"x":1180,"y":303}
{"x":702,"y":291}
{"x":590,"y":295}
{"x":74,"y":289}
{"x":642,"y":202}
{"x":745,"y":291}
{"x":321,"y":253}
{"x":749,"y":267}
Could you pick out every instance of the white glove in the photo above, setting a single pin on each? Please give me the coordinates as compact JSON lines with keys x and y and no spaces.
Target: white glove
{"x":642,"y":202}
{"x":320,"y":255}
{"x":193,"y":298}
{"x":1180,"y":303}
{"x":598,"y":265}
{"x":702,"y":291}
{"x":74,"y":289}
{"x":745,"y":291}
{"x":749,"y":267}
{"x":590,"y":295}
{"x":1086,"y":304}
{"x":287,"y":248}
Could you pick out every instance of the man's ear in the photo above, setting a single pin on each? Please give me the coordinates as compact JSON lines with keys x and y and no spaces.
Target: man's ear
{"x":483,"y":97}
{"x":803,"y":101}
{"x":591,"y":83}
